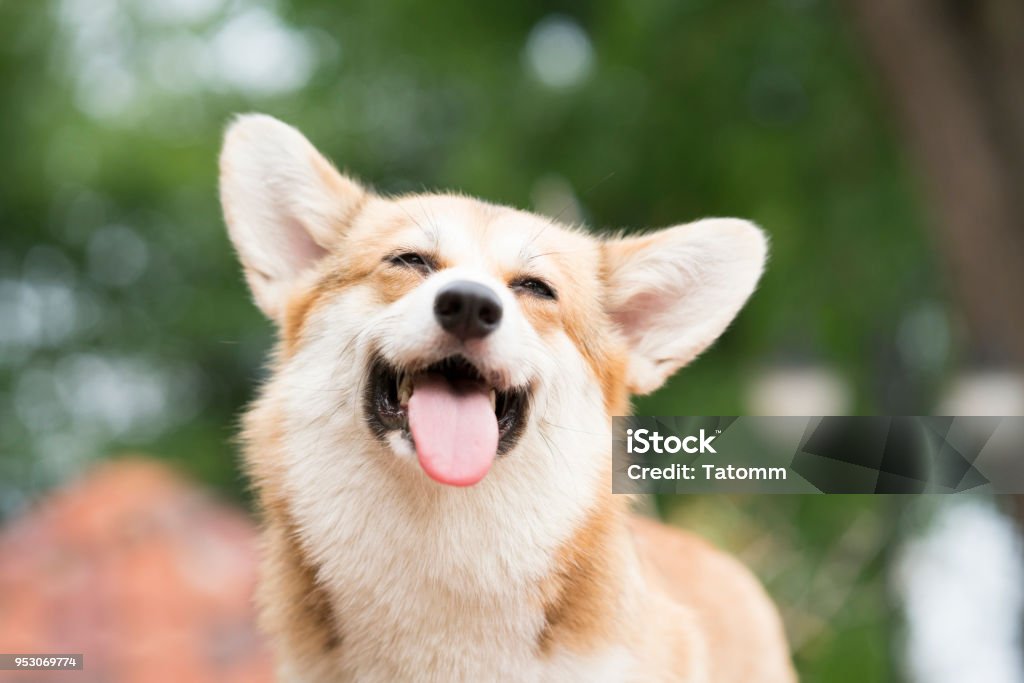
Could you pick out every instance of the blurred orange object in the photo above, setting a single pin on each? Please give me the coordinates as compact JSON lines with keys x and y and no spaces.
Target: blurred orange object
{"x":143,"y":573}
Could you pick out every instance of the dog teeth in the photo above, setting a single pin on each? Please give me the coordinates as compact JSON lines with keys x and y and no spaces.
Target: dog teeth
{"x":404,"y":389}
{"x":494,"y":399}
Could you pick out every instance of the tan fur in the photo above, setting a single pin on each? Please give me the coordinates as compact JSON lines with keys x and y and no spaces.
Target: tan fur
{"x":373,"y":572}
{"x":579,"y":610}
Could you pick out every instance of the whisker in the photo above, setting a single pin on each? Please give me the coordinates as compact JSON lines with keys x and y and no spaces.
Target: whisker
{"x":432,"y":221}
{"x":430,"y":236}
{"x":554,"y":219}
{"x":570,"y":429}
{"x":563,"y":251}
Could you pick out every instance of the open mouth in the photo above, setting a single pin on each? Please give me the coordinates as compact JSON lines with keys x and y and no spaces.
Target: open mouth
{"x":454,"y":418}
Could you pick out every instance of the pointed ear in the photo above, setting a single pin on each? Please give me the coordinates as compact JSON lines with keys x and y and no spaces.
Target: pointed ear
{"x":673,"y":292}
{"x":284,"y":204}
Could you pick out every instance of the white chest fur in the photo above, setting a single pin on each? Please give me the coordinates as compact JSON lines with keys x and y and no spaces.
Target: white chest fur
{"x":431,"y":583}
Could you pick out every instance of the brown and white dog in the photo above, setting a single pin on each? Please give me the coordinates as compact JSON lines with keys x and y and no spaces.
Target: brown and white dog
{"x":432,"y":449}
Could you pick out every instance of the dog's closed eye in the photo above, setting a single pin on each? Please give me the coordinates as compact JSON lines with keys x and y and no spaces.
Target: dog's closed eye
{"x":411,"y":259}
{"x":535,"y":287}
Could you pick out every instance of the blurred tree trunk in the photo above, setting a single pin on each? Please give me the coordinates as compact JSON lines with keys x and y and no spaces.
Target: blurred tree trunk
{"x":952,"y":69}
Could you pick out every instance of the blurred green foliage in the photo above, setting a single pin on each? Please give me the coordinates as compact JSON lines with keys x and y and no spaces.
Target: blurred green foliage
{"x":128,"y":325}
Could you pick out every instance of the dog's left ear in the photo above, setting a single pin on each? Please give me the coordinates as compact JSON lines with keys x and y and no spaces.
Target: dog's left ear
{"x":673,"y":292}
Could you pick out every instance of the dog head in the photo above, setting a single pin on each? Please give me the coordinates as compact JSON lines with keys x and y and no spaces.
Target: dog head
{"x":445,"y":330}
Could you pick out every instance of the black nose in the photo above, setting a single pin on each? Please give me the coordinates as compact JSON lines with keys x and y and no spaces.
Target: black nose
{"x":468,"y":310}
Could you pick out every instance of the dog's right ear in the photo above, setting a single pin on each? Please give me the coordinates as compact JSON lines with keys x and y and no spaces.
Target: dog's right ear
{"x":285,"y":205}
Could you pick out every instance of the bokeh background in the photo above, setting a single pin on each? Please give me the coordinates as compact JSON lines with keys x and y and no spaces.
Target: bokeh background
{"x":880,"y":144}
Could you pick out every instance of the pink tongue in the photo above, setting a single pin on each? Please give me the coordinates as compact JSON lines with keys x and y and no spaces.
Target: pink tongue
{"x":454,"y":429}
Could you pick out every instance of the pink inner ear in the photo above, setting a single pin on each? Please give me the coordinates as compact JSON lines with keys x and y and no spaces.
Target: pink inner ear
{"x":299,"y":247}
{"x":635,"y":317}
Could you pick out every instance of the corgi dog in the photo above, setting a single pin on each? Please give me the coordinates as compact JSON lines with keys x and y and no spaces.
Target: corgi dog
{"x":432,"y":449}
